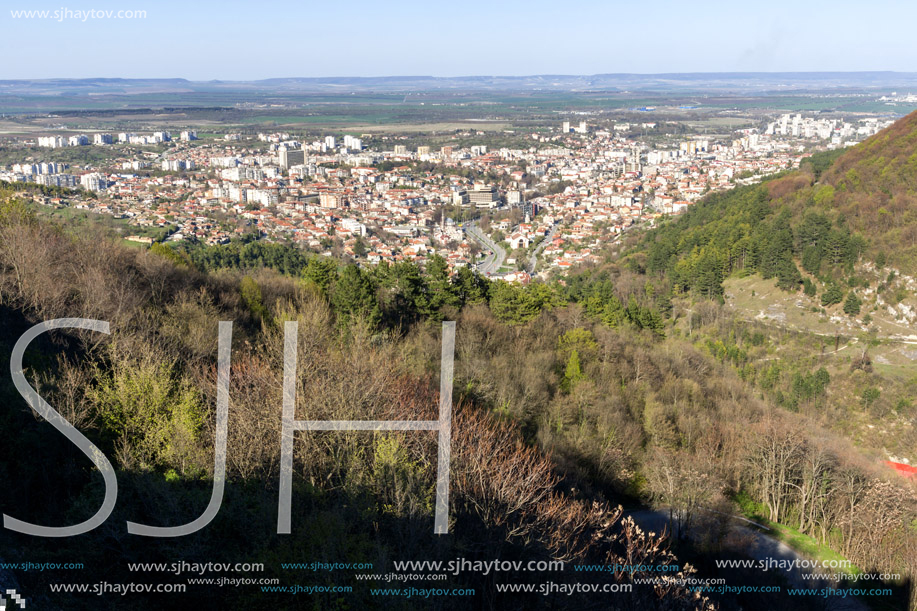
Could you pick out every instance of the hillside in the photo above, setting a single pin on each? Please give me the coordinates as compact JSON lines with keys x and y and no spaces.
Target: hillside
{"x":145,"y":396}
{"x":570,"y":399}
{"x":874,"y":186}
{"x":826,"y":252}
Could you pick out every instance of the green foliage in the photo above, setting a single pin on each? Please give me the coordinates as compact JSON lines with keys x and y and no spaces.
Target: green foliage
{"x":870,"y":395}
{"x":579,"y":339}
{"x":176,"y":257}
{"x":515,"y":304}
{"x":320,"y":272}
{"x":14,"y":209}
{"x":644,"y":317}
{"x":251,"y":297}
{"x":852,"y":304}
{"x":573,"y":372}
{"x":810,"y":386}
{"x":727,"y":351}
{"x":834,"y":294}
{"x":808,"y":287}
{"x":156,"y":414}
{"x":470,"y":286}
{"x":744,"y":230}
{"x":353,"y":296}
{"x":821,"y":161}
{"x":251,"y":255}
{"x":441,"y":290}
{"x":359,"y":247}
{"x":401,"y":485}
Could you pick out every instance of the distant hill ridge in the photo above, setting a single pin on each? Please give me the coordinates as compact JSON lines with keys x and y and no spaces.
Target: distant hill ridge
{"x":709,"y":82}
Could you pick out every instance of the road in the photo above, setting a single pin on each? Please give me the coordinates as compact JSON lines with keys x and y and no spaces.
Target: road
{"x":494,"y":261}
{"x":758,"y":546}
{"x":533,"y":260}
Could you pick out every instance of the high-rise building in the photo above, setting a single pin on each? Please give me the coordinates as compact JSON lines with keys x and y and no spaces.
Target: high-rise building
{"x":291,"y":157}
{"x":353,"y":143}
{"x":483,"y":196}
{"x":93,"y":182}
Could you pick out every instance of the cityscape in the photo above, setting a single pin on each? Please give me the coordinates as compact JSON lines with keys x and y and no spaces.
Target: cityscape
{"x":549,"y":207}
{"x":492,"y":306}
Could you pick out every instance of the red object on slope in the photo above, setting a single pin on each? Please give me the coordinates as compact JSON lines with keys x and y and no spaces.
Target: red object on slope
{"x":903,"y":469}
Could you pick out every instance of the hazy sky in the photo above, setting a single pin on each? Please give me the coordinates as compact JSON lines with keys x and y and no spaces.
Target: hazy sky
{"x":269,"y":38}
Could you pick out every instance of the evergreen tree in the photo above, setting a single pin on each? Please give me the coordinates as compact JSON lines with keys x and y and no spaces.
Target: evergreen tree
{"x":852,"y":304}
{"x":808,"y":287}
{"x":441,"y":290}
{"x":512,"y":304}
{"x":832,"y":295}
{"x":354,"y":296}
{"x":469,"y":286}
{"x":788,"y":276}
{"x":359,"y":247}
{"x":321,"y":272}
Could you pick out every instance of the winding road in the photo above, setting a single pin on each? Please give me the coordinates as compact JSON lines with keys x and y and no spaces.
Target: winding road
{"x":494,"y":261}
{"x":533,"y":259}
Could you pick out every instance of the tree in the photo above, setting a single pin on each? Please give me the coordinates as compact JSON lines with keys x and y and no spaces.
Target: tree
{"x":788,"y":277}
{"x":359,"y":247}
{"x":832,"y":295}
{"x":573,"y":373}
{"x":808,"y":287}
{"x":512,"y":304}
{"x":470,"y":286}
{"x":354,"y":296}
{"x":852,"y":304}
{"x":321,"y":272}
{"x":442,"y":292}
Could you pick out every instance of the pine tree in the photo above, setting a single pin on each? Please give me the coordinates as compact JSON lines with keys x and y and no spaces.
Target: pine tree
{"x":354,"y":296}
{"x":852,"y":304}
{"x":832,"y":295}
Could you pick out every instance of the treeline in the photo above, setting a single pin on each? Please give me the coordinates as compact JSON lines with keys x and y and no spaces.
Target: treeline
{"x":47,"y":190}
{"x":403,"y":293}
{"x":839,"y":206}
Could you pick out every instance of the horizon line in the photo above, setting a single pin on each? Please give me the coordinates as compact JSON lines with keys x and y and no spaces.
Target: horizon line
{"x":468,"y":76}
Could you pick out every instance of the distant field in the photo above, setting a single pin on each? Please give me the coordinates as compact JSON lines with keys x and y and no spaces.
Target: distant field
{"x":405,"y":111}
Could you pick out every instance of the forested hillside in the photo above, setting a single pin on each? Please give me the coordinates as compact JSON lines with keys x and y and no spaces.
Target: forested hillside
{"x":837,"y":209}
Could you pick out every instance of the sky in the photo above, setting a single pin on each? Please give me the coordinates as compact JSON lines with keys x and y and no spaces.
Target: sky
{"x":235,"y":40}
